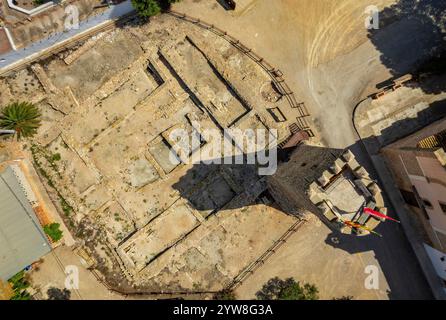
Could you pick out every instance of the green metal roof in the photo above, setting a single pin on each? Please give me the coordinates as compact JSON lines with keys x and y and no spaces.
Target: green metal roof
{"x":22,"y":239}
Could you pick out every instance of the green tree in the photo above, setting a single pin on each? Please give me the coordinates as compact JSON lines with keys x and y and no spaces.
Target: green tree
{"x":149,"y":8}
{"x":23,"y":117}
{"x":288,"y":289}
{"x":53,"y":231}
{"x":56,"y":157}
{"x":146,"y":8}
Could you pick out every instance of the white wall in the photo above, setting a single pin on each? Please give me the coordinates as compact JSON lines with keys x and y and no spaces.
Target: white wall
{"x":434,"y":191}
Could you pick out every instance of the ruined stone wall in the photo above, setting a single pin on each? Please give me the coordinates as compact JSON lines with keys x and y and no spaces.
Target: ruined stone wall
{"x":290,"y":184}
{"x":291,"y":202}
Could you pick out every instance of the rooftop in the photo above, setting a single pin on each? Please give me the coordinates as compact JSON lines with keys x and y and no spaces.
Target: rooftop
{"x":345,"y":195}
{"x":21,"y":236}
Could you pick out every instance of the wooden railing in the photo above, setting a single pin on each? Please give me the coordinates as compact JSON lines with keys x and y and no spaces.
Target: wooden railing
{"x":275,"y":74}
{"x":248,"y":271}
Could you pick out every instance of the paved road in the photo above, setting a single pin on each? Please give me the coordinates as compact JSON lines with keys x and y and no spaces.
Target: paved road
{"x":111,"y":13}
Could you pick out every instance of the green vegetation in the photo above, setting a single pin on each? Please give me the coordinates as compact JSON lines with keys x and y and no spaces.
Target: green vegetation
{"x":149,"y":8}
{"x":35,"y":150}
{"x":19,"y":285}
{"x":51,"y":158}
{"x":288,"y":289}
{"x":23,"y":117}
{"x":67,"y":209}
{"x":53,"y":231}
{"x":55,"y":157}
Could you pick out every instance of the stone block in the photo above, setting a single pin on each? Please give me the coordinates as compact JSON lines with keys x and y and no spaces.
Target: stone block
{"x":337,"y":166}
{"x":361,"y":173}
{"x":348,"y":155}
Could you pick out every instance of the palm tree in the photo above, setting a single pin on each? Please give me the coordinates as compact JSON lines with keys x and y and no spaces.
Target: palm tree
{"x":22,"y":117}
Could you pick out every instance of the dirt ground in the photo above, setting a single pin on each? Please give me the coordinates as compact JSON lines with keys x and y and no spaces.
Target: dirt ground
{"x":105,"y":148}
{"x":333,"y":62}
{"x":50,"y":273}
{"x":325,"y":50}
{"x":309,"y":244}
{"x":109,"y":120}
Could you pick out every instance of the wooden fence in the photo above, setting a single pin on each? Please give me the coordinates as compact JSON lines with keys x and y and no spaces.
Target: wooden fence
{"x":275,"y":74}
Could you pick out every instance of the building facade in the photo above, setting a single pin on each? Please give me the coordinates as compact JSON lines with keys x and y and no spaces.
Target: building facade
{"x":418,"y":166}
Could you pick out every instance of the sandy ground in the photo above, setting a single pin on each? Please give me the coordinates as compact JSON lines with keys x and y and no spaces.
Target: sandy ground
{"x":324,"y":51}
{"x":339,"y":269}
{"x":322,"y":46}
{"x":335,"y":272}
{"x":51,"y":274}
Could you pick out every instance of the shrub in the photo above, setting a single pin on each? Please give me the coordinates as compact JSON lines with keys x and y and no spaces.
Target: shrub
{"x":19,"y":285}
{"x":288,"y":289}
{"x":55,"y":157}
{"x":53,"y":231}
{"x":149,"y":8}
